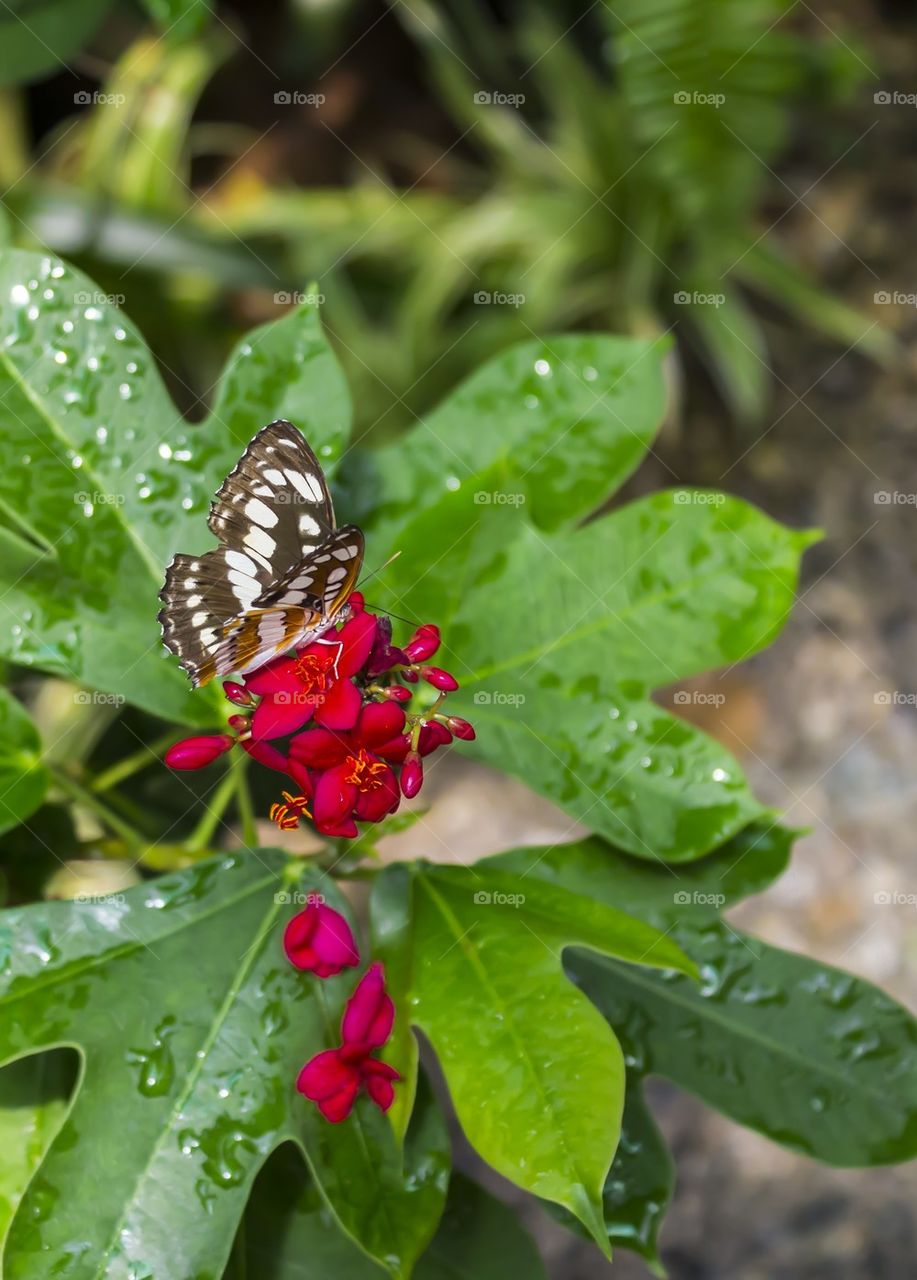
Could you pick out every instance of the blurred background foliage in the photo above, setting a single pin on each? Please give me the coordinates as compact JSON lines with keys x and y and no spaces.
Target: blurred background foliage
{"x":584,"y":166}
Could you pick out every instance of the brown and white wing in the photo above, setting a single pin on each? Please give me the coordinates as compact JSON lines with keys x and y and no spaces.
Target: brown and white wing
{"x":272,"y":511}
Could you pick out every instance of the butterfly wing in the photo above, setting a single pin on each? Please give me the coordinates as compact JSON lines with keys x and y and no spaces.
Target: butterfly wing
{"x":272,"y":511}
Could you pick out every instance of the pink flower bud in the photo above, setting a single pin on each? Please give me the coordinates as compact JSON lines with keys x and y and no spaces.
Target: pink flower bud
{"x":397,"y":693}
{"x":194,"y":753}
{"x":439,"y":679}
{"x":356,"y":602}
{"x":409,"y":675}
{"x":433,"y":735}
{"x":461,"y":728}
{"x":423,"y":643}
{"x":240,"y":723}
{"x":237,"y":693}
{"x":411,"y":775}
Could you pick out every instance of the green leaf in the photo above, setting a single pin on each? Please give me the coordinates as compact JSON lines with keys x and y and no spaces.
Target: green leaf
{"x":179,"y":19}
{"x":289,"y":1235}
{"x":192,"y":1027}
{"x":102,"y":481}
{"x":536,"y":1080}
{"x":37,"y":37}
{"x":23,"y":778}
{"x":33,"y":1101}
{"x":639,"y":1185}
{"x":559,"y":640}
{"x":806,"y":1054}
{"x":559,"y":425}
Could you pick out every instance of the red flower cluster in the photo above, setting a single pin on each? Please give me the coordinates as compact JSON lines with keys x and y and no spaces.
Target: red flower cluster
{"x":366,"y":748}
{"x":320,"y":941}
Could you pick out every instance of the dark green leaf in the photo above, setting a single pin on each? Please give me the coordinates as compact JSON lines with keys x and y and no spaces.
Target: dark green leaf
{"x":117,"y":481}
{"x":192,"y":1026}
{"x":23,"y":778}
{"x":33,"y":1101}
{"x":38,"y":37}
{"x":536,"y":1082}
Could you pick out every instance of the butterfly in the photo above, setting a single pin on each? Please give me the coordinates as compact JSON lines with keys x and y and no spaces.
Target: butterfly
{"x":282,"y":573}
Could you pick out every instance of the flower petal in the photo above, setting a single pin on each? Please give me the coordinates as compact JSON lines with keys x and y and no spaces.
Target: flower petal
{"x":276,"y":676}
{"x":334,"y":796}
{"x":356,"y":636}
{"x":318,"y":748}
{"x":395,"y":749}
{"x":265,"y":754}
{"x":369,"y":1013}
{"x":282,"y":713}
{"x":333,"y":941}
{"x":373,"y":805}
{"x":379,"y":721}
{"x":340,"y":706}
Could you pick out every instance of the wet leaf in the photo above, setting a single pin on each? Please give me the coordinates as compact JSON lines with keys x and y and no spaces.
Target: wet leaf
{"x":23,"y":778}
{"x":117,"y":480}
{"x":33,"y":1101}
{"x":192,"y":1027}
{"x":559,"y":640}
{"x":536,"y":1079}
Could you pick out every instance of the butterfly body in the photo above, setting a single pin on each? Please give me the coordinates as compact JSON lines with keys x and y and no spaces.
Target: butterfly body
{"x":282,"y":573}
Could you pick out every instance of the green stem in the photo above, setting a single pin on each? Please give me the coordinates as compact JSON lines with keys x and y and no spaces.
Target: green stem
{"x":83,"y":796}
{"x":239,"y":764}
{"x":132,"y":764}
{"x":213,"y":814}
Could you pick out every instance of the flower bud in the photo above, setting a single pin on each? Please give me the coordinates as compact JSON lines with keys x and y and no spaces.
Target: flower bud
{"x":423,"y":643}
{"x":411,"y":775}
{"x":409,"y":675}
{"x":241,"y":724}
{"x":194,"y":753}
{"x":439,"y":679}
{"x":433,"y":735}
{"x":397,"y":693}
{"x":356,"y":602}
{"x":461,"y":728}
{"x":237,"y":693}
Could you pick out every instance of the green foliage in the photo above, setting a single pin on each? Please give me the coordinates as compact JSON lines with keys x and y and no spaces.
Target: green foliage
{"x":37,"y":37}
{"x":547,"y":982}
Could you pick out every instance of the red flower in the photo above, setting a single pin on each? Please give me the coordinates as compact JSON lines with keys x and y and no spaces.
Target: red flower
{"x":317,"y":682}
{"x":333,"y":1079}
{"x":353,"y":781}
{"x":319,"y":940}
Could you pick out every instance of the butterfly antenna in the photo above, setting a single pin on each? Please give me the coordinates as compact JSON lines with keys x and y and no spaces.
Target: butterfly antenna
{"x":379,"y":570}
{"x":411,"y":622}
